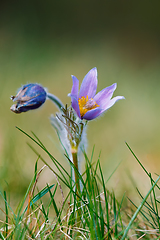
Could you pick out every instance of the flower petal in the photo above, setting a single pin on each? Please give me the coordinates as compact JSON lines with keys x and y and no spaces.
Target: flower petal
{"x":89,"y":84}
{"x":105,"y":95}
{"x":111,"y":102}
{"x":93,"y":113}
{"x":75,"y":105}
{"x":75,"y":87}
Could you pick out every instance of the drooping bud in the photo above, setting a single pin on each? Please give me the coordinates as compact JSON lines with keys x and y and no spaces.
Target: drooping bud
{"x":29,"y":97}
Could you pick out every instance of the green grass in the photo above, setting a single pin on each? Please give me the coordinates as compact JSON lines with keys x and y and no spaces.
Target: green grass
{"x":40,"y":216}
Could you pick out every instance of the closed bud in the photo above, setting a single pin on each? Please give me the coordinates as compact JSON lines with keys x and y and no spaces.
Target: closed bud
{"x":29,"y":97}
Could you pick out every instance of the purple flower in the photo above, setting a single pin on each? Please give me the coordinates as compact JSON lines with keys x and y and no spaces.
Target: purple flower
{"x":30,"y":96}
{"x":87,"y":104}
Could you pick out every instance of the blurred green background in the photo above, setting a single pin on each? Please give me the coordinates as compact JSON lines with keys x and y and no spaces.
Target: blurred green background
{"x":47,"y":41}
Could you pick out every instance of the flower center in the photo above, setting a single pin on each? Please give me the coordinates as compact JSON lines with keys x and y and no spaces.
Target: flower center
{"x":86,"y":104}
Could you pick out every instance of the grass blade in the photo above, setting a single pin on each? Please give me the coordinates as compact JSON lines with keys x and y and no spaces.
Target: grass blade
{"x":39,"y":195}
{"x":139,"y":209}
{"x":6,"y":208}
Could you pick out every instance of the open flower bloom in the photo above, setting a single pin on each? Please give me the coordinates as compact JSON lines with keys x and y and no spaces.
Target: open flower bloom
{"x":87,"y":104}
{"x":30,"y":96}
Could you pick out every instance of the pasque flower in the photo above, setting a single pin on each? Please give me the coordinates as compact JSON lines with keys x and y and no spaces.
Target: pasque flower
{"x":86,"y":103}
{"x":30,"y":96}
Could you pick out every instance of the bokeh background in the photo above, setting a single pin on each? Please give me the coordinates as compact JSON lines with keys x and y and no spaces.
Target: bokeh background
{"x":47,"y":41}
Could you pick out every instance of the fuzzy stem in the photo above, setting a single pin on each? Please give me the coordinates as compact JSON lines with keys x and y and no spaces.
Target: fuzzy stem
{"x":56,"y":100}
{"x":75,"y":162}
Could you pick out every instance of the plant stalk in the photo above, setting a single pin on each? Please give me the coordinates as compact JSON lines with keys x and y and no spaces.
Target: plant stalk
{"x":56,"y":100}
{"x":77,"y":182}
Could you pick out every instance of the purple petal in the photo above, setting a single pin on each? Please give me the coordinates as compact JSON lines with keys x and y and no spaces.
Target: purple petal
{"x":105,"y":95}
{"x":112,"y":102}
{"x":89,"y":84}
{"x":75,"y":105}
{"x":93,"y":113}
{"x":75,"y":87}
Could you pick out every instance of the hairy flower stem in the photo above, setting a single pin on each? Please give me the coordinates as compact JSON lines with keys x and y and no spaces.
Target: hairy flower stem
{"x":75,"y":162}
{"x":56,"y":100}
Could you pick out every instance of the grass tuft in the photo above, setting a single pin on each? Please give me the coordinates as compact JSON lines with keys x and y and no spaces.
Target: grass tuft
{"x":100,"y":216}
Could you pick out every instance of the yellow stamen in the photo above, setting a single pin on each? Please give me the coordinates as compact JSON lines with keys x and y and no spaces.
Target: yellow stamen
{"x":86,"y":104}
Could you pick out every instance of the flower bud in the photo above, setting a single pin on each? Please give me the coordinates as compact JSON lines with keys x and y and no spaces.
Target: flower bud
{"x":29,"y":97}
